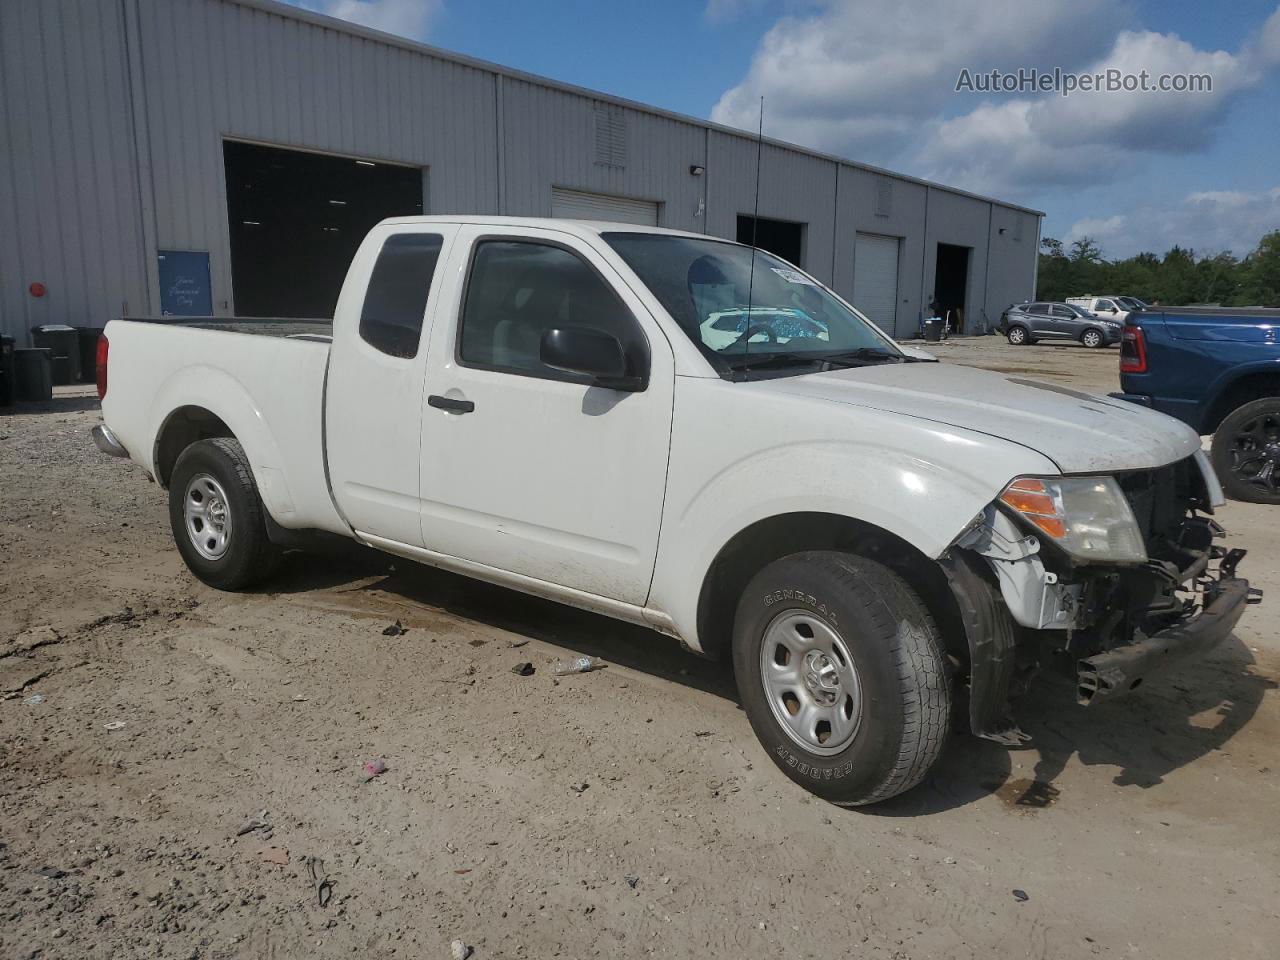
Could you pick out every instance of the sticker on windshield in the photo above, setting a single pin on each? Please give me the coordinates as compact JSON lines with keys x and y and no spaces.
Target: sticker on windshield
{"x":793,"y":276}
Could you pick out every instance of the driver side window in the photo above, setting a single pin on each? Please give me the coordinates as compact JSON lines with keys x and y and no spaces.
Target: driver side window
{"x":518,"y":290}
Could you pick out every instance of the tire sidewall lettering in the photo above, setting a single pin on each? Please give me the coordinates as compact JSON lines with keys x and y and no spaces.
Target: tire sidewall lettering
{"x":800,"y":596}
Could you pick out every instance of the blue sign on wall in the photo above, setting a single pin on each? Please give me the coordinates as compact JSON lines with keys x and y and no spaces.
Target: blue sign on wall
{"x":184,"y":284}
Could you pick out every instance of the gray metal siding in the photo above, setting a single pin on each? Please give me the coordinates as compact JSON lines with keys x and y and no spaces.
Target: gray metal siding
{"x":68,"y":188}
{"x":551,"y":142}
{"x":114,"y":113}
{"x":216,"y":70}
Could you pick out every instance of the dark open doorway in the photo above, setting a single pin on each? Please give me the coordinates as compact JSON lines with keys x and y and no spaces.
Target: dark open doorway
{"x":782,"y":237}
{"x":951,"y":284}
{"x":297,"y":219}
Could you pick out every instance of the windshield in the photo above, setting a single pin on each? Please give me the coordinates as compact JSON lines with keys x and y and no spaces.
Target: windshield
{"x":1131,"y":303}
{"x":706,"y":286}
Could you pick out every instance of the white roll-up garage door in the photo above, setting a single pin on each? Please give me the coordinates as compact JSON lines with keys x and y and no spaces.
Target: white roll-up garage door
{"x":576,"y":205}
{"x":875,"y":279}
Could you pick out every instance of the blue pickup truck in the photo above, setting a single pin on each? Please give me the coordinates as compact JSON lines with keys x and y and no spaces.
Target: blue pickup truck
{"x":1218,"y":370}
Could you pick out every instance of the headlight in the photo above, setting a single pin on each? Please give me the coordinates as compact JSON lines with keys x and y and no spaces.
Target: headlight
{"x":1088,"y":517}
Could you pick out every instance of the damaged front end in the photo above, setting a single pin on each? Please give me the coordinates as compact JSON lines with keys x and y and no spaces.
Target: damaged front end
{"x":1119,"y":577}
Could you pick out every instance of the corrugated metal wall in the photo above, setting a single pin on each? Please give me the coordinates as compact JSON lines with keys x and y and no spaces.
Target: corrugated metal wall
{"x":70,"y":216}
{"x":114,"y":113}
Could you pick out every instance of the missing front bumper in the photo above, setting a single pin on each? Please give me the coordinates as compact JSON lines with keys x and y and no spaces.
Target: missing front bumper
{"x":1110,"y":675}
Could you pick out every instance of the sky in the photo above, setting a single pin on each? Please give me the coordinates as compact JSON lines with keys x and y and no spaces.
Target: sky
{"x":875,"y":81}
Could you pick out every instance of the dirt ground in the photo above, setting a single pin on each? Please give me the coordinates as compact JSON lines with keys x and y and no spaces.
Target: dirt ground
{"x":147,"y":722}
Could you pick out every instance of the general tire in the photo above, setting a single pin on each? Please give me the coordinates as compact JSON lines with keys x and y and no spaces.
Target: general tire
{"x":246,"y":556}
{"x":896,"y":651}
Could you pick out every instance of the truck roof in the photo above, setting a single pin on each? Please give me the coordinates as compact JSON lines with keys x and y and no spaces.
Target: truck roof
{"x":551,"y":223}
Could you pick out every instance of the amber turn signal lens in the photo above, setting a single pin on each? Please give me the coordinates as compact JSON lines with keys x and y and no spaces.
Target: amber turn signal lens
{"x":1032,"y":499}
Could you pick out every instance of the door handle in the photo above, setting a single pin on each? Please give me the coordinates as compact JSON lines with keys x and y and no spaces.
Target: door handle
{"x":450,"y":404}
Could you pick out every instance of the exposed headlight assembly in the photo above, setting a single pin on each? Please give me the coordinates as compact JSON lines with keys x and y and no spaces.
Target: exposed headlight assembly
{"x":1088,"y":517}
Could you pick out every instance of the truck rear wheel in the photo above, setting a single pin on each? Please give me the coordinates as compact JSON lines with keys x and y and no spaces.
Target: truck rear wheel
{"x":217,"y":517}
{"x":840,"y":670}
{"x":1246,"y":452}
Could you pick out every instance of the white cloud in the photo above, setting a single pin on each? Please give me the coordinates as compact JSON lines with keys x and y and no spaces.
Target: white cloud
{"x":405,"y":18}
{"x":1210,"y":221}
{"x":875,"y":80}
{"x":867,"y":76}
{"x":1095,"y":135}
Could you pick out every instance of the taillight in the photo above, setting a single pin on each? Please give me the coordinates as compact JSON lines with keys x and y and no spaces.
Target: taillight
{"x":101,"y":368}
{"x":1133,"y":351}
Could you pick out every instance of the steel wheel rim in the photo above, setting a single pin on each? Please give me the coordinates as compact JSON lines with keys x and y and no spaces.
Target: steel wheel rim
{"x":1255,"y":452}
{"x":811,"y":682}
{"x":207,"y":515}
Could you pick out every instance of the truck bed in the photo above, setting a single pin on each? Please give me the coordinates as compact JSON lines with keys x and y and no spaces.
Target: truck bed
{"x":263,"y":379}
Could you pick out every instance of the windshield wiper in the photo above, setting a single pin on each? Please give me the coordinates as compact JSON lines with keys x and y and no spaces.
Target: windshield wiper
{"x":827,"y":361}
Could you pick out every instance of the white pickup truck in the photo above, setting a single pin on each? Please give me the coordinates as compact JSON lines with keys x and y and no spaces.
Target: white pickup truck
{"x":684,"y":433}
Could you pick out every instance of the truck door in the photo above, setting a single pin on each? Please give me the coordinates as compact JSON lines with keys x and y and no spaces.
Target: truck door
{"x":374,"y":388}
{"x":525,"y":468}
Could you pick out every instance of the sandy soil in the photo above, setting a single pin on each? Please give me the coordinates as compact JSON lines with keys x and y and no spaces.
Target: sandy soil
{"x":172,"y":716}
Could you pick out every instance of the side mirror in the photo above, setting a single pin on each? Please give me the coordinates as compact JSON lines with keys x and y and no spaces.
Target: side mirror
{"x":589,"y":353}
{"x":1112,"y":310}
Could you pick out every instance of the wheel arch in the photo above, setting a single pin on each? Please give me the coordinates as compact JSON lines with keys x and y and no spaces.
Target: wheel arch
{"x":181,"y":428}
{"x":1244,"y":386}
{"x":774,"y":537}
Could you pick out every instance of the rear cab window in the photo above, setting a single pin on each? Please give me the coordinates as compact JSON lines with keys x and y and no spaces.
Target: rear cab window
{"x":395,"y":301}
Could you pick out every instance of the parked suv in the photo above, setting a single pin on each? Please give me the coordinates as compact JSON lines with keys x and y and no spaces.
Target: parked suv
{"x":1110,"y":308}
{"x":1026,"y":323}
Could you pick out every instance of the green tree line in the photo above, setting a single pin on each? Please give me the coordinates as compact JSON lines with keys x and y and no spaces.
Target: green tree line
{"x":1179,"y":277}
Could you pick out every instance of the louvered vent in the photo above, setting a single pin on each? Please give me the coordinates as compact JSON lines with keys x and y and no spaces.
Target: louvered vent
{"x":884,"y":197}
{"x":611,"y":135}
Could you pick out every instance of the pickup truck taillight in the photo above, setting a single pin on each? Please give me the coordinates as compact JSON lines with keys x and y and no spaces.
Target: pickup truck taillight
{"x":101,"y":368}
{"x":1133,"y":351}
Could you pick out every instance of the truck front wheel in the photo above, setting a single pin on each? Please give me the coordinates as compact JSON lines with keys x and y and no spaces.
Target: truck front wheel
{"x":217,"y":517}
{"x":840,"y":670}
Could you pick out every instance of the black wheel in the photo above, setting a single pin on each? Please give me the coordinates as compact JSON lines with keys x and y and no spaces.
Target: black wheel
{"x":1246,"y":452}
{"x":1019,"y":336}
{"x":218,"y":520}
{"x":1092,"y":339}
{"x":840,"y":670}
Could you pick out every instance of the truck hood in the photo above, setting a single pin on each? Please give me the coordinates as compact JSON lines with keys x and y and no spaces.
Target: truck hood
{"x":1080,"y":432}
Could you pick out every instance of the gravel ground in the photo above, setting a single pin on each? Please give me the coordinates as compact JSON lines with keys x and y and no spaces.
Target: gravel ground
{"x":176,"y":762}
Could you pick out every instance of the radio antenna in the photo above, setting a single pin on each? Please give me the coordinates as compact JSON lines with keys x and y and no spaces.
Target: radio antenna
{"x":755,"y":228}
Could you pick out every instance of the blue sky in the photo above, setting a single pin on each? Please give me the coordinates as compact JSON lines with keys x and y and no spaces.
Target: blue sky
{"x":874,"y":80}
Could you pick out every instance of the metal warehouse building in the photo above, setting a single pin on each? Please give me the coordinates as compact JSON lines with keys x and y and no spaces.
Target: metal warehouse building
{"x":226,"y":156}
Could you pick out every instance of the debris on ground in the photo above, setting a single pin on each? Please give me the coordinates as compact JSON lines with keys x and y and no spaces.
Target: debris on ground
{"x":525,"y":669}
{"x":459,"y":950}
{"x":1021,"y":896}
{"x":35,"y":699}
{"x":578,"y":665}
{"x":114,"y":725}
{"x":632,"y":881}
{"x":259,"y":822}
{"x":320,"y":881}
{"x":702,"y":733}
{"x":52,"y":873}
{"x":395,"y":630}
{"x":277,"y":855}
{"x":579,"y":787}
{"x":515,"y":644}
{"x":373,"y":768}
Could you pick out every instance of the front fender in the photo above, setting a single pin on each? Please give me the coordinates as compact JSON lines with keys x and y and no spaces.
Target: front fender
{"x":921,"y":481}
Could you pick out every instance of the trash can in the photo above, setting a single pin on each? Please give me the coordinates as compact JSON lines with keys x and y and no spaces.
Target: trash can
{"x":64,"y":344}
{"x":933,"y":329}
{"x":34,"y":378}
{"x":88,"y":337}
{"x":6,"y":370}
